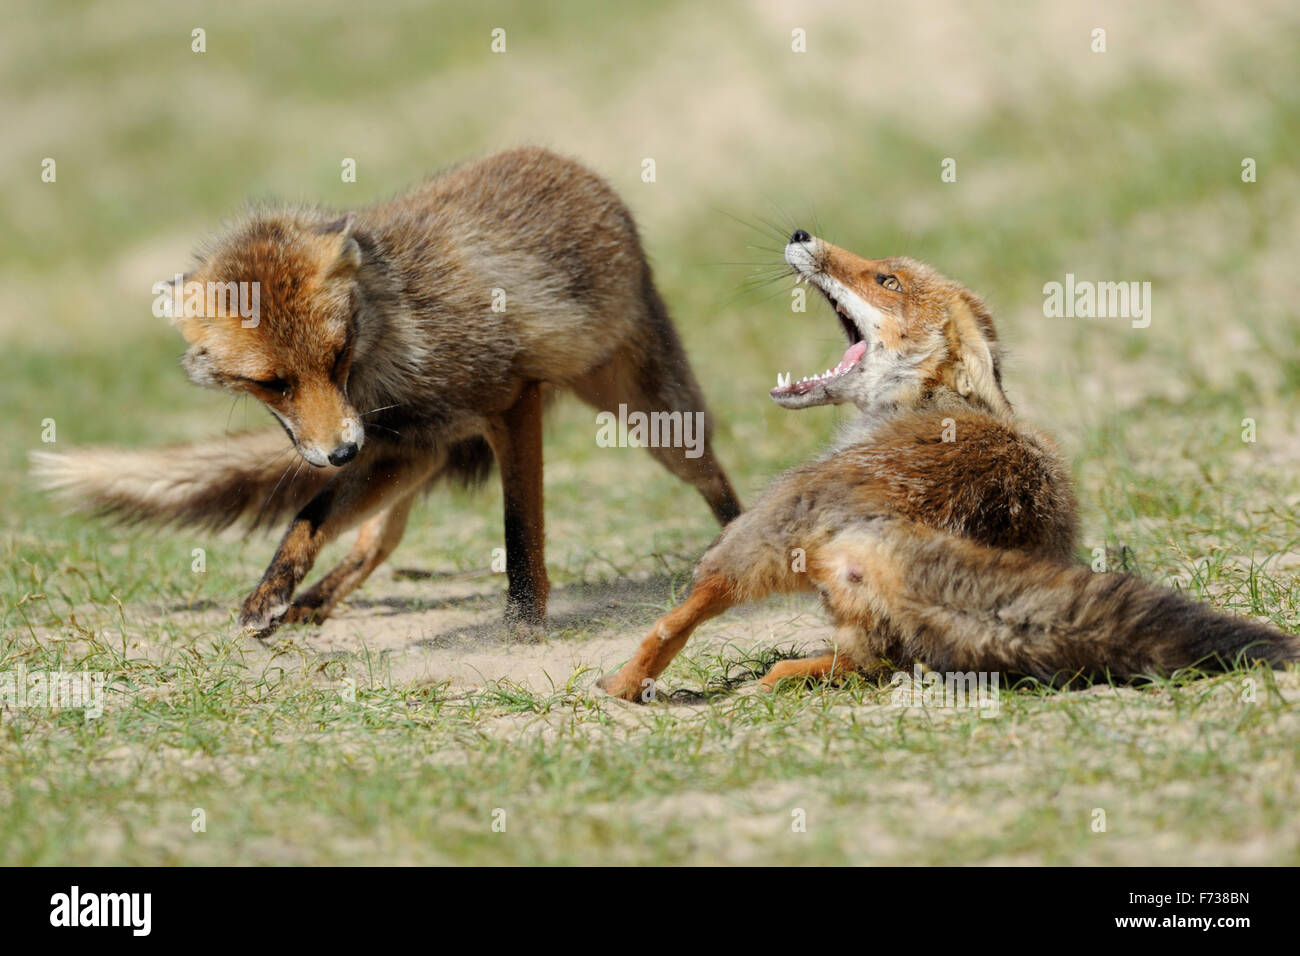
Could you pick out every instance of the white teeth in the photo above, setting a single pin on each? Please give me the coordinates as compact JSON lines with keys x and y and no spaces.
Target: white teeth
{"x":782,"y":382}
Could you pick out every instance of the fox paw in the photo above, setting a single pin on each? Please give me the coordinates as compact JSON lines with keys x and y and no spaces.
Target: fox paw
{"x":259,"y":616}
{"x":525,"y":623}
{"x":524,"y":632}
{"x":254,"y":620}
{"x":780,"y":671}
{"x":630,"y":687}
{"x":302,"y":612}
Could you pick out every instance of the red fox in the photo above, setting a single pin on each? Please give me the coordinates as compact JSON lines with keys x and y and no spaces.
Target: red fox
{"x":939,"y":530}
{"x":409,"y":341}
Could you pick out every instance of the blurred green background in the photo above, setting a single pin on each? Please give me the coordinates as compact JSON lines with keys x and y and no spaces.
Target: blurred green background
{"x":1118,"y":165}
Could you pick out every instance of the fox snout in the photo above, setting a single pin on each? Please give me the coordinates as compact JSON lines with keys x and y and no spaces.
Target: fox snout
{"x":325,"y":428}
{"x":344,"y":453}
{"x":803,"y":252}
{"x":335,"y":446}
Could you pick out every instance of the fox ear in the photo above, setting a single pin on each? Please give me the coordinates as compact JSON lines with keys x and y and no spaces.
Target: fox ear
{"x":977,"y":374}
{"x":342,"y":254}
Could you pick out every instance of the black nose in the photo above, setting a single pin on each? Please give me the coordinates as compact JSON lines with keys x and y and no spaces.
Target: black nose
{"x":800,"y":236}
{"x":343,"y":454}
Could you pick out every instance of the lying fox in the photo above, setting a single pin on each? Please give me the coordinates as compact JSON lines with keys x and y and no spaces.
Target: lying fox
{"x":938,"y":530}
{"x":406,"y":342}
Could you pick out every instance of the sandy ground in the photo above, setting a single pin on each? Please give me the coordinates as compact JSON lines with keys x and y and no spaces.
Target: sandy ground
{"x":449,"y":629}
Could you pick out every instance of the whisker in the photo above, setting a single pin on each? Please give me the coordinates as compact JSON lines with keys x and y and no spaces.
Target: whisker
{"x":764,"y":228}
{"x":751,"y":293}
{"x":266,"y":503}
{"x":381,"y":408}
{"x":751,"y":287}
{"x":768,"y":276}
{"x":745,"y":262}
{"x":777,"y":230}
{"x":231,"y":414}
{"x":817,"y":221}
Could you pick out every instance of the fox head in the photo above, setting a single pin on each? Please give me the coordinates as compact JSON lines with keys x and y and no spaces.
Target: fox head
{"x":293,"y":349}
{"x":911,"y":332}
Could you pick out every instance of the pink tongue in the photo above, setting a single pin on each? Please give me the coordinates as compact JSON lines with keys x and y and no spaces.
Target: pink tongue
{"x":855,"y":352}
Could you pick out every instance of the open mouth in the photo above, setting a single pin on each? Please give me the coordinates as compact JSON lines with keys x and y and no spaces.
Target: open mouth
{"x":857,"y":348}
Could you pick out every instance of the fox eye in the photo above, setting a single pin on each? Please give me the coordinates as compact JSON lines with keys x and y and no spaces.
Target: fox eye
{"x":343,"y":358}
{"x":891,"y":283}
{"x":277,"y":385}
{"x":341,"y":361}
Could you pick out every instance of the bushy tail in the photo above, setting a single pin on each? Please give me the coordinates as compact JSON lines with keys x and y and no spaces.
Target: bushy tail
{"x":255,"y":478}
{"x":955,"y":605}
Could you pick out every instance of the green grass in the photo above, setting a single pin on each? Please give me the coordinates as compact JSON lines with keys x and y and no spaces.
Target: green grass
{"x":285,"y":769}
{"x":1123,"y":166}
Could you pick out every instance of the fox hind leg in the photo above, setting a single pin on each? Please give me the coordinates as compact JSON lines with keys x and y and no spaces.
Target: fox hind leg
{"x":822,"y":667}
{"x":516,"y":440}
{"x":662,"y":382}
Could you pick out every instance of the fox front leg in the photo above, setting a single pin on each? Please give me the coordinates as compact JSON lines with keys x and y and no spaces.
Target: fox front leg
{"x":377,"y":538}
{"x":634,"y":682}
{"x":293,"y":559}
{"x":750,"y":560}
{"x":353,"y":494}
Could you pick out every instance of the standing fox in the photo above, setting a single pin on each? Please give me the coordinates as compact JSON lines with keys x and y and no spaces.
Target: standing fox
{"x":411,"y":340}
{"x":938,"y":530}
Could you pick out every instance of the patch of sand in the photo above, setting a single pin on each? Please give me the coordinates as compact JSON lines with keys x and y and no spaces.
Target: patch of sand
{"x":431,"y":631}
